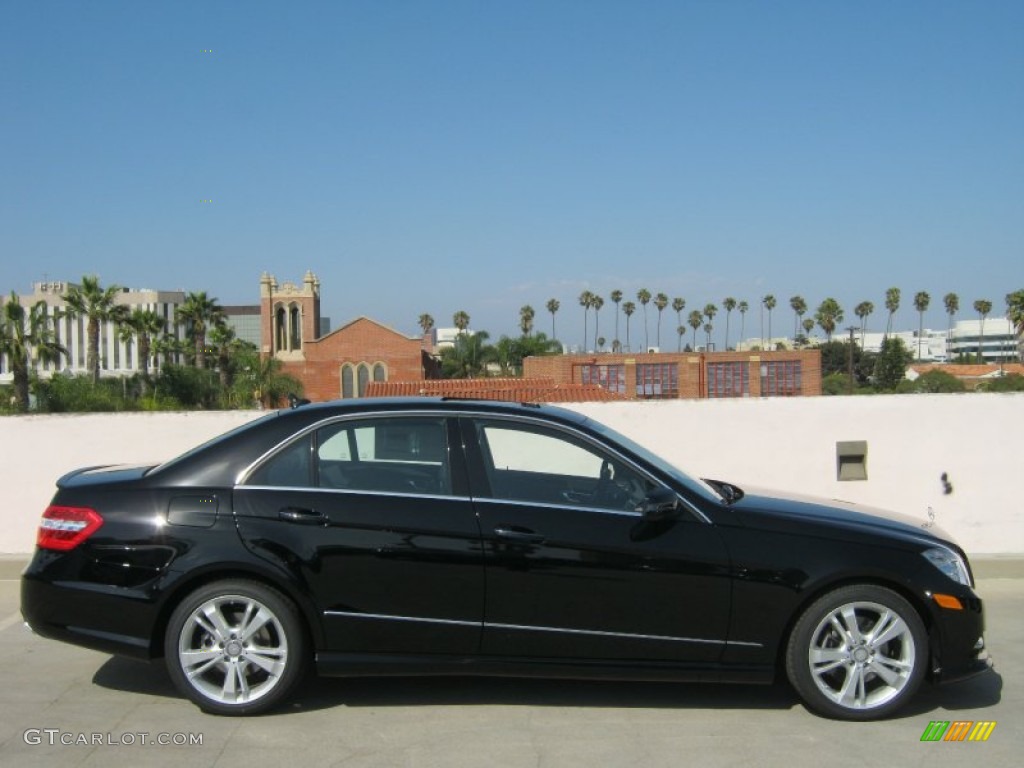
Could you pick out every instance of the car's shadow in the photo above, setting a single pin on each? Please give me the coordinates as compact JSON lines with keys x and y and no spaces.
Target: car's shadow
{"x":325,"y":693}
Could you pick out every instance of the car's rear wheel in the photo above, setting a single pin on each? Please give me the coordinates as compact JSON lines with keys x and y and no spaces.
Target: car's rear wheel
{"x":857,"y":653}
{"x":236,"y":647}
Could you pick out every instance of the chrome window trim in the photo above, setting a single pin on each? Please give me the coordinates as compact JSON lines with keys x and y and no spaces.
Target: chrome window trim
{"x":351,"y":492}
{"x":524,"y":628}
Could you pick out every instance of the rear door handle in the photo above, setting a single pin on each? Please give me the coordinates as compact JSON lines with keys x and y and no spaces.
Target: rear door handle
{"x":519,"y":534}
{"x":302,"y":516}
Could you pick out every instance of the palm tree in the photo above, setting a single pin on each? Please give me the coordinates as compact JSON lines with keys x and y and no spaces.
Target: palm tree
{"x":743,"y":307}
{"x":829,"y":315}
{"x":426,"y":323}
{"x":586,"y":301}
{"x":597,"y":302}
{"x":679,"y":304}
{"x":628,"y":309}
{"x":222,"y":337}
{"x":553,"y":305}
{"x":695,"y":319}
{"x":862,"y":311}
{"x":98,"y":305}
{"x":710,"y":310}
{"x":269,"y":384}
{"x":26,"y":337}
{"x":660,"y":301}
{"x":616,"y":297}
{"x":921,"y":302}
{"x":526,"y":315}
{"x":680,"y":331}
{"x":730,"y":304}
{"x":199,"y":312}
{"x":1015,"y":314}
{"x":952,"y":302}
{"x":892,"y":303}
{"x":143,"y":325}
{"x":644,"y":296}
{"x":799,"y":307}
{"x":769,"y":304}
{"x":461,"y":321}
{"x":707,"y":331}
{"x":982,"y":307}
{"x":808,"y":324}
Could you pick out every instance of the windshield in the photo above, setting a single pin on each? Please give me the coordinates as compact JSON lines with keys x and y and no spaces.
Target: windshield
{"x":696,"y":485}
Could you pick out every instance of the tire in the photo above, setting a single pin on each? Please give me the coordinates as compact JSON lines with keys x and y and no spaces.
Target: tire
{"x":236,"y":647}
{"x":857,"y":653}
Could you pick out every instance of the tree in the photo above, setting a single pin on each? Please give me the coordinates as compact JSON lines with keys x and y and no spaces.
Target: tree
{"x":143,"y":325}
{"x":660,"y":301}
{"x":224,"y":342}
{"x":526,"y":315}
{"x":97,"y":305}
{"x":952,"y":302}
{"x":511,"y":352}
{"x":198,"y":313}
{"x":260,"y":379}
{"x":707,"y":331}
{"x":892,"y":303}
{"x":982,"y":307}
{"x":829,"y":315}
{"x":730,"y":304}
{"x":769,"y":304}
{"x":644,"y":296}
{"x":678,"y":305}
{"x":799,"y":307}
{"x":695,"y":320}
{"x":743,"y":307}
{"x":891,"y":364}
{"x":680,"y":331}
{"x":862,"y":311}
{"x":468,"y":357}
{"x":553,"y":306}
{"x":808,"y":325}
{"x":461,"y":321}
{"x":586,"y":301}
{"x":597,"y":302}
{"x":616,"y":297}
{"x":938,"y":380}
{"x":710,"y":310}
{"x":26,"y":337}
{"x":921,"y":302}
{"x":628,"y":309}
{"x":1015,"y":314}
{"x":426,"y":323}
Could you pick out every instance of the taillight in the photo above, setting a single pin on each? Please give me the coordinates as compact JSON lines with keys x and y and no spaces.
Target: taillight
{"x":64,"y":528}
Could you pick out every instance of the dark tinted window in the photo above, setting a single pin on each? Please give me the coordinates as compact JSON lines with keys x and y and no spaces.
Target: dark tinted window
{"x":289,"y":468}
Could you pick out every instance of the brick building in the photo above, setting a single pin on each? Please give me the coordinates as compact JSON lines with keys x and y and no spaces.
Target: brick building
{"x":343,"y":362}
{"x":689,"y":375}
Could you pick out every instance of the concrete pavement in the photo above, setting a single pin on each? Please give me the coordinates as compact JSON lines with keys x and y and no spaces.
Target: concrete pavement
{"x":53,"y":692}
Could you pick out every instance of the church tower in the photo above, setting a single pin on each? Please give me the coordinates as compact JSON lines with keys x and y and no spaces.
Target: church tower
{"x":289,"y":315}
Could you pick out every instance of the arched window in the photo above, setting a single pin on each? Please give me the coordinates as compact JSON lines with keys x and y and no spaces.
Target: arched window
{"x":280,"y":329}
{"x":380,"y":373}
{"x":295,"y":327}
{"x":364,"y":378}
{"x":348,"y":388}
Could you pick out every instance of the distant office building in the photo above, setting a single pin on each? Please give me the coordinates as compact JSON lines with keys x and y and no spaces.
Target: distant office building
{"x":997,"y":344}
{"x":929,"y":347}
{"x":117,"y":357}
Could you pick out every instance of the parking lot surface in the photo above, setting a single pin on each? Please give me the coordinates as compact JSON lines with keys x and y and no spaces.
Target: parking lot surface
{"x":66,"y":706}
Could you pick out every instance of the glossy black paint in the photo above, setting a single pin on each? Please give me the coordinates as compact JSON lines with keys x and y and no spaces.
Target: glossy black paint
{"x":463,"y":582}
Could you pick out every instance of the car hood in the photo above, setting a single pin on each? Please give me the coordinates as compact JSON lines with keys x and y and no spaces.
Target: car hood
{"x":762,"y":504}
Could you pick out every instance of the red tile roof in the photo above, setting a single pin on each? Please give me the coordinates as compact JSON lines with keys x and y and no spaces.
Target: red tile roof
{"x":969,"y":371}
{"x":506,"y":389}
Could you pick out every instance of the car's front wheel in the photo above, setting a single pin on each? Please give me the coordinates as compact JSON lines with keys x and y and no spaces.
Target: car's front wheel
{"x":236,"y":647}
{"x":857,"y":653}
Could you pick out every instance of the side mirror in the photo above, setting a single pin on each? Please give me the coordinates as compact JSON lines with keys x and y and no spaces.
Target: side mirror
{"x":659,"y":504}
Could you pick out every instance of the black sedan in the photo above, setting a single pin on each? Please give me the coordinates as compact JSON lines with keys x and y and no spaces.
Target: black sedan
{"x":422,"y":536}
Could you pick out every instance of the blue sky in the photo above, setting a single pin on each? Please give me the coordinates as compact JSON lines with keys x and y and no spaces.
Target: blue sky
{"x":482,"y":155}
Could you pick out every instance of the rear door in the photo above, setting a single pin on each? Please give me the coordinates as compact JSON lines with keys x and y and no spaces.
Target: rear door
{"x":573,"y":570}
{"x":373,"y":514}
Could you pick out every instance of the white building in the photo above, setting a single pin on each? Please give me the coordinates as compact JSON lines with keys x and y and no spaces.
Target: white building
{"x":998,"y":344}
{"x":117,"y":357}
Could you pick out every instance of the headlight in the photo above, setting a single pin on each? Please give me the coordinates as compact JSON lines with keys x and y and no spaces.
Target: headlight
{"x":950,"y":563}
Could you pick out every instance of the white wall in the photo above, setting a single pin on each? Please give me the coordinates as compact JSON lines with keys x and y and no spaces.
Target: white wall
{"x":782,"y":443}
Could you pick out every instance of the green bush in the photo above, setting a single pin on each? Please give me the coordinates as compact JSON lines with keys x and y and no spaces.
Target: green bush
{"x":67,"y":394}
{"x":937,"y":380}
{"x":1013,"y":382}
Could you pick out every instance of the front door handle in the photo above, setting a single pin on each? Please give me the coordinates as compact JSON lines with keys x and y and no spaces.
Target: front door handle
{"x":302,"y":516}
{"x":519,"y":534}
